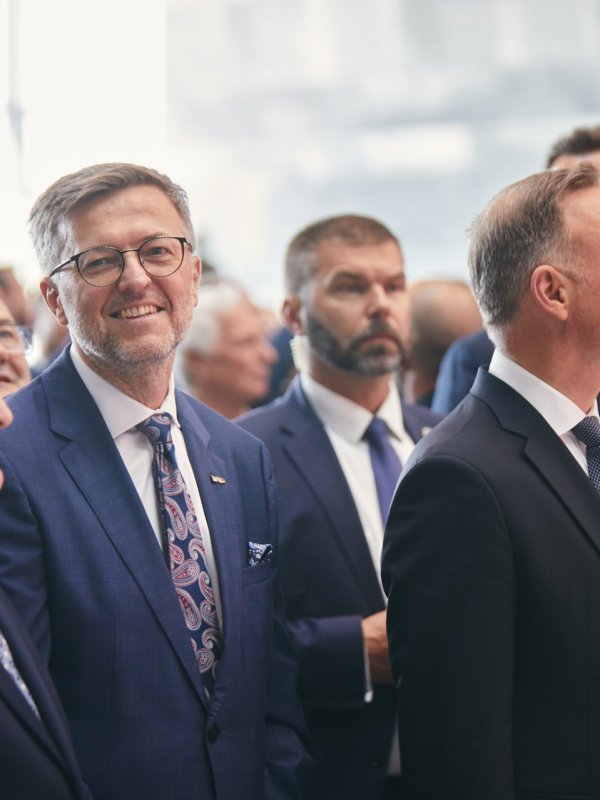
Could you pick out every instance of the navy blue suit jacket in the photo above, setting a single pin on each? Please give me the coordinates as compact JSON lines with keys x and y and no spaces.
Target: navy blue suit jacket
{"x":492,"y":563}
{"x":37,"y":759}
{"x":330,"y":584}
{"x":459,"y":368}
{"x":79,"y":558}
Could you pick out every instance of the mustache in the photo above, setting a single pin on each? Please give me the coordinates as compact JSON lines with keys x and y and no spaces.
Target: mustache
{"x":377,"y":328}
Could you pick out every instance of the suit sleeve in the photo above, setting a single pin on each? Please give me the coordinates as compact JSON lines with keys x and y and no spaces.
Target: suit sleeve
{"x":332,"y":661}
{"x":22,"y":560}
{"x":449,"y":574}
{"x":288,"y":763}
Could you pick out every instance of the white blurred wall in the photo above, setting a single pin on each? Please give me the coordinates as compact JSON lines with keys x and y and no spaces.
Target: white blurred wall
{"x":272,"y":113}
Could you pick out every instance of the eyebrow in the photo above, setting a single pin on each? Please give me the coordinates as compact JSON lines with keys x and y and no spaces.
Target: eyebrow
{"x":346,"y":273}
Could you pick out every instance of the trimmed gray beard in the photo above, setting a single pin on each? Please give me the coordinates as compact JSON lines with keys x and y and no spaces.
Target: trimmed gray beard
{"x":112,"y":355}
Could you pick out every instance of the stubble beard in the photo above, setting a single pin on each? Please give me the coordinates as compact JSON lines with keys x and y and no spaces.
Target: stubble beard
{"x":128,"y":359}
{"x":372,"y":362}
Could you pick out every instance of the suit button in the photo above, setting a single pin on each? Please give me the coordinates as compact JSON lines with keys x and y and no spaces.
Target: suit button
{"x":212,"y":734}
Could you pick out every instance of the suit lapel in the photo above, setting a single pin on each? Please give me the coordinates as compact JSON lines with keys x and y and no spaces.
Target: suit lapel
{"x":545,"y":450}
{"x":307,"y":445}
{"x":91,"y":458}
{"x":51,"y":729}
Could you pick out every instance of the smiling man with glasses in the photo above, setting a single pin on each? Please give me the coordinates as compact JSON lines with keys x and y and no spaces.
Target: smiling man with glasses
{"x":137,"y":536}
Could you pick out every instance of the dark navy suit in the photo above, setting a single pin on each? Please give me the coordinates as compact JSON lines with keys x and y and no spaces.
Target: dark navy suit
{"x":37,"y":759}
{"x":492,"y":563}
{"x":79,"y":558}
{"x":330,"y":585}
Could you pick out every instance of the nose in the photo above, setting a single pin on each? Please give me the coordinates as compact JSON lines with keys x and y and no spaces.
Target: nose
{"x":269,"y":353}
{"x":379,"y":300}
{"x":134,"y":277}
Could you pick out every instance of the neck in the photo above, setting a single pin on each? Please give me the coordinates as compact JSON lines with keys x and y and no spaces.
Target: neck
{"x":577,"y":378}
{"x":146,"y":383}
{"x":366,"y":391}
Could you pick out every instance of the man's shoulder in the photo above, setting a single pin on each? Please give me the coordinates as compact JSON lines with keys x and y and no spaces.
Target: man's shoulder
{"x":420,"y":415}
{"x":481,"y":429}
{"x":269,"y":418}
{"x":215,"y":424}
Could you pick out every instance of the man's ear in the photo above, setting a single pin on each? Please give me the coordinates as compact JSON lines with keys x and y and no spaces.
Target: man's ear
{"x":53,"y":301}
{"x":196,"y":276}
{"x":550,"y":290}
{"x":290,"y":312}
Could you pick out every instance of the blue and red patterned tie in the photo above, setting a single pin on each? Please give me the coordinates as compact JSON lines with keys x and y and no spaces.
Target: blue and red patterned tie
{"x":186,"y":553}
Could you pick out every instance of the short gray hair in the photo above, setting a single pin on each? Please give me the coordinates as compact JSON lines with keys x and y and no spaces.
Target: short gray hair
{"x":214,"y":300}
{"x":521,"y":228}
{"x":54,"y":207}
{"x":352,"y":229}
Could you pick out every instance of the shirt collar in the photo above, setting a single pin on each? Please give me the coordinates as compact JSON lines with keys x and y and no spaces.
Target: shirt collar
{"x":120,"y":412}
{"x":348,"y":419}
{"x":558,"y":410}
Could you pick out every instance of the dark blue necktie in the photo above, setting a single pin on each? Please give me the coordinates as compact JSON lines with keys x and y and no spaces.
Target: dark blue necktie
{"x":588,"y":432}
{"x":186,"y":552}
{"x":385,"y":462}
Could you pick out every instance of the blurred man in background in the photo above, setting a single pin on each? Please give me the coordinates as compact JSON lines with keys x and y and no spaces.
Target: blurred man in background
{"x":337,"y":439}
{"x":441,"y":311}
{"x":226,"y":359}
{"x":15,"y":342}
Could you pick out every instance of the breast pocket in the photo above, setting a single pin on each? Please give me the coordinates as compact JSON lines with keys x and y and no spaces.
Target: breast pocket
{"x":257,"y":574}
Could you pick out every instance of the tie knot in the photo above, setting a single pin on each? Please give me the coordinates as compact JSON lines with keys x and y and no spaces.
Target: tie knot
{"x":588,"y":431}
{"x":157,"y":428}
{"x":377,"y":431}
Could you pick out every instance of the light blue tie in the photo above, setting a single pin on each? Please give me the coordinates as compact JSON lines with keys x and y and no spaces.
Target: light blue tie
{"x":385,"y":462}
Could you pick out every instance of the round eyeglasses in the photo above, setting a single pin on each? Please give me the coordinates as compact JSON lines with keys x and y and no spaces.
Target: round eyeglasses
{"x":160,"y":256}
{"x":15,"y":339}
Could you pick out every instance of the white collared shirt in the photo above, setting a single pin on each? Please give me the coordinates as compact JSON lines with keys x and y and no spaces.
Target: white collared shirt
{"x":345,"y":423}
{"x":557,"y":409}
{"x":121,"y":414}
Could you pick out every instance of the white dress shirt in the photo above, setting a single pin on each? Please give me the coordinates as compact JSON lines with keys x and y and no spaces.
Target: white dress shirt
{"x":557,"y":409}
{"x":121,"y":414}
{"x":345,"y":424}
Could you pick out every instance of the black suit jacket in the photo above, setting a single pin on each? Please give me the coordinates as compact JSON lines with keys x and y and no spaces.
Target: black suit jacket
{"x":492,"y":564}
{"x":330,"y":584}
{"x":37,"y":759}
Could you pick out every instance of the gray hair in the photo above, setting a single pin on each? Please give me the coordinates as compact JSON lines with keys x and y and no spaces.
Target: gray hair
{"x":214,"y":300}
{"x":53,"y":208}
{"x":352,"y":229}
{"x":521,"y":228}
